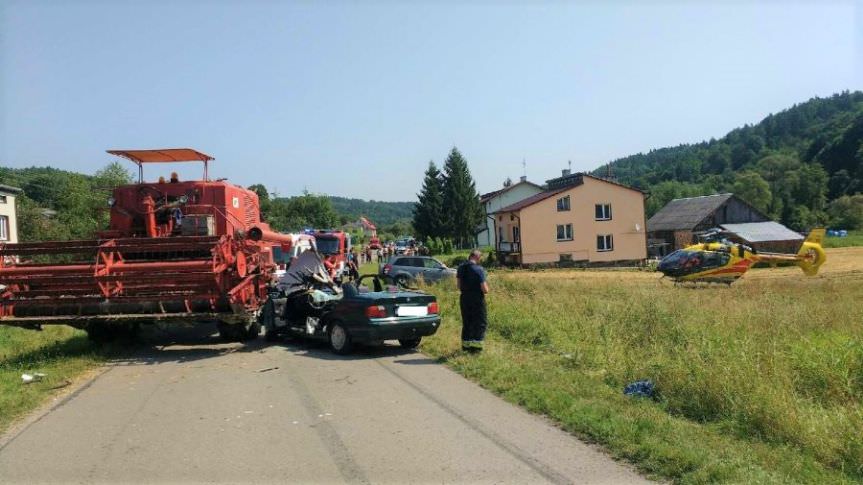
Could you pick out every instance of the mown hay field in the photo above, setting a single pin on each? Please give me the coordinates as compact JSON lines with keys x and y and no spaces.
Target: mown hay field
{"x":760,"y":382}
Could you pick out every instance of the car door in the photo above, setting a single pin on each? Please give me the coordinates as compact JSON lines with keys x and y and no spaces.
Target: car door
{"x":415,"y":266}
{"x":433,"y":270}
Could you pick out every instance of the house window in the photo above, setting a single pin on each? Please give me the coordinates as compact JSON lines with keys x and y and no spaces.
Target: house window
{"x":604,"y":243}
{"x":603,"y":212}
{"x":4,"y":228}
{"x":563,"y":204}
{"x":565,"y":258}
{"x":564,"y":232}
{"x":2,"y":199}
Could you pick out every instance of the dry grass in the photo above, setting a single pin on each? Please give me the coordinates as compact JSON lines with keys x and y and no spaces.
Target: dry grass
{"x":767,"y":374}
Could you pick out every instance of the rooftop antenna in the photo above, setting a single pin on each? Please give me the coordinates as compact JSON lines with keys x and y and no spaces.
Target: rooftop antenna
{"x":569,"y":162}
{"x":524,"y":166}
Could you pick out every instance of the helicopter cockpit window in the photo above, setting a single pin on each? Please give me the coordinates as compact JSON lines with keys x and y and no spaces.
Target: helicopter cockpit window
{"x":687,"y":262}
{"x":714,"y":259}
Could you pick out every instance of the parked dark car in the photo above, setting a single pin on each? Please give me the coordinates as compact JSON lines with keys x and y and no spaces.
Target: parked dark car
{"x":406,"y":269}
{"x":372,"y":309}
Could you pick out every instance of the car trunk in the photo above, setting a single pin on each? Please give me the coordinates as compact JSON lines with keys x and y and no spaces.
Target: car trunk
{"x":401,"y":304}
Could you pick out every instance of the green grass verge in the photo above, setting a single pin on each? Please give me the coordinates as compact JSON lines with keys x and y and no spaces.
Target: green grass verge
{"x":854,"y":238}
{"x":758,"y":383}
{"x":61,"y":353}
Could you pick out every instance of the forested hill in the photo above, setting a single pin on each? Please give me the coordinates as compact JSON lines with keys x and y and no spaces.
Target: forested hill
{"x":379,"y":212}
{"x":792,"y":164}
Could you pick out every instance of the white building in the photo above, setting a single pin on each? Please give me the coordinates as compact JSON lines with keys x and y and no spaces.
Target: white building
{"x":8,"y":217}
{"x":494,"y":201}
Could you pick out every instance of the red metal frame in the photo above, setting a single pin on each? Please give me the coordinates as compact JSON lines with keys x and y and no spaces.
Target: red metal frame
{"x":145,"y":265}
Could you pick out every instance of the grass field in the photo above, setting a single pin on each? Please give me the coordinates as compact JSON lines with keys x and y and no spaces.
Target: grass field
{"x":758,"y":383}
{"x":61,"y":353}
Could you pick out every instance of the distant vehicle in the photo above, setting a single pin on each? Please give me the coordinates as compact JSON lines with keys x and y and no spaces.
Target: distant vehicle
{"x":401,"y":247}
{"x":334,"y":246}
{"x":371,"y":309}
{"x":375,"y":243}
{"x":300,"y":243}
{"x":718,"y":260}
{"x":406,"y":269}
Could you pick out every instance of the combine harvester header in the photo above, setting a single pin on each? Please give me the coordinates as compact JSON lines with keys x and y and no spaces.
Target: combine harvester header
{"x":174,"y":251}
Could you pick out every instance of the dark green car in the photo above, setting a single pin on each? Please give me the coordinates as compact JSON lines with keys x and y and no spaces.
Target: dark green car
{"x":371,"y":309}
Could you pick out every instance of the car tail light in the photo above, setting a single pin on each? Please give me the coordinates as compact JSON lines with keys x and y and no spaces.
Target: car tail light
{"x":376,"y":311}
{"x":387,"y":268}
{"x":433,"y":308}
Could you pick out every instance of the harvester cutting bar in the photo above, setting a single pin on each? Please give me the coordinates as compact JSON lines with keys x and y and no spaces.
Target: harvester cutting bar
{"x":183,"y":244}
{"x":118,"y":270}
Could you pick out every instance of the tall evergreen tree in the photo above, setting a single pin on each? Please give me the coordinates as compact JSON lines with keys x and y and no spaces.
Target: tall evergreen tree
{"x":460,"y":200}
{"x":428,"y":218}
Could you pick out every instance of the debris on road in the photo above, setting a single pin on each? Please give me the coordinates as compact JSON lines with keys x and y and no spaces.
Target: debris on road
{"x":266,"y":369}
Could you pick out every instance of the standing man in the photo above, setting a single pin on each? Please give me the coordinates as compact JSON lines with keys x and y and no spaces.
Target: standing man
{"x":470,"y":280}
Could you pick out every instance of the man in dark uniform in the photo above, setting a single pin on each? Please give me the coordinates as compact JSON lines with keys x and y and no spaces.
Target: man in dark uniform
{"x":470,"y":280}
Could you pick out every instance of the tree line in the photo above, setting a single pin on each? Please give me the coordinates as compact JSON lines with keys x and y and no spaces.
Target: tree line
{"x":802,"y":166}
{"x":448,"y":204}
{"x":59,"y":205}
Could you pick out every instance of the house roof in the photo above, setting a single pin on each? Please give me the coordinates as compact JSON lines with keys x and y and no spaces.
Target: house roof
{"x":680,"y":214}
{"x":9,"y":189}
{"x":485,"y":197}
{"x":576,"y":181}
{"x":367,"y":223}
{"x":762,"y":231}
{"x":533,"y":199}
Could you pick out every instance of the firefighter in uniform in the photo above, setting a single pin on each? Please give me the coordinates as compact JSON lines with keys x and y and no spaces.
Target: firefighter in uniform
{"x":471,"y":282}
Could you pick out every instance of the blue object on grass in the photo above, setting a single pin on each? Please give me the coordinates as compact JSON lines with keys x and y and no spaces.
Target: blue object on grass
{"x":639,"y":389}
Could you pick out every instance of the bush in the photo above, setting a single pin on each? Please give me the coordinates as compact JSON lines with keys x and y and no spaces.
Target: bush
{"x":456,"y":261}
{"x":447,"y":246}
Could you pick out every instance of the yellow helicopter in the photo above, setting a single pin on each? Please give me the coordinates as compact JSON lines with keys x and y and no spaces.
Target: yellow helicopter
{"x":718,"y":260}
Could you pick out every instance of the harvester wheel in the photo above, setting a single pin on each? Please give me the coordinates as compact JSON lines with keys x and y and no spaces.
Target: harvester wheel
{"x":238,"y":332}
{"x":100,"y":333}
{"x":253,"y":331}
{"x":231,"y":332}
{"x":268,"y":321}
{"x":126,"y":333}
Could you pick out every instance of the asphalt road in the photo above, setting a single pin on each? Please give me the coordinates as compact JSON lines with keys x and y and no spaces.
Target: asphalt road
{"x":203,"y":411}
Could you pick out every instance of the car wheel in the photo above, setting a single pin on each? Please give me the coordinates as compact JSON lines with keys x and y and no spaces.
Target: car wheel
{"x":402,"y":280}
{"x":410,"y":343}
{"x":340,"y":340}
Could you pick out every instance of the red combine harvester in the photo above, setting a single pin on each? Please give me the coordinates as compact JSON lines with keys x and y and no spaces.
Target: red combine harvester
{"x":175,"y":251}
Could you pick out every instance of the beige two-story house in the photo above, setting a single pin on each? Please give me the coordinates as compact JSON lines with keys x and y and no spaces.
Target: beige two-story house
{"x":8,"y":217}
{"x":578,"y":218}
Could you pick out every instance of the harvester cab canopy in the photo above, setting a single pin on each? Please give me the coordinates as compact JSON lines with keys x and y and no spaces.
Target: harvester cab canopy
{"x":165,"y":155}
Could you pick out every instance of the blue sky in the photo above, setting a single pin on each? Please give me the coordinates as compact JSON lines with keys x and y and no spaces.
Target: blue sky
{"x":354,"y":98}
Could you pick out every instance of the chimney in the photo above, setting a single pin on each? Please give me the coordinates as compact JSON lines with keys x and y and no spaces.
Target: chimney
{"x":565,"y":172}
{"x":523,"y":178}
